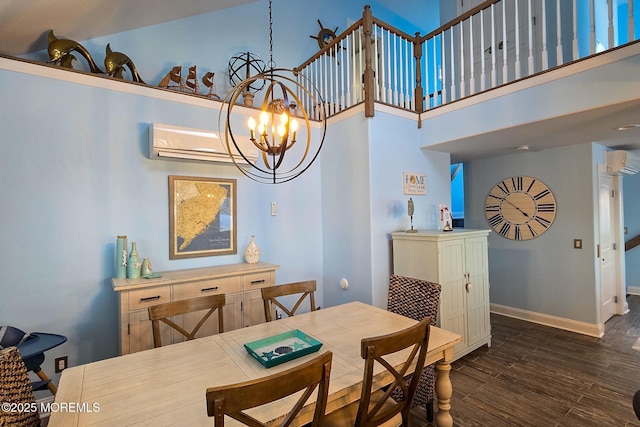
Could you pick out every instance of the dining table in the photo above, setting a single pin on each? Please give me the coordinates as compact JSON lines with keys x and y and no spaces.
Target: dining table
{"x":166,"y":386}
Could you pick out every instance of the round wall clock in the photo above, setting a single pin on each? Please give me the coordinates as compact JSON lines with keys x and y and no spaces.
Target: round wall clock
{"x":520,"y":208}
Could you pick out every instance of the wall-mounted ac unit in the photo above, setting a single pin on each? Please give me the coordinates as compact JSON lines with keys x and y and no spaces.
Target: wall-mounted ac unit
{"x":622,"y":162}
{"x":169,"y":142}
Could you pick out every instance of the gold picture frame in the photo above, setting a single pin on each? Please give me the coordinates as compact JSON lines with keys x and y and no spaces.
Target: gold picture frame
{"x":202,"y":217}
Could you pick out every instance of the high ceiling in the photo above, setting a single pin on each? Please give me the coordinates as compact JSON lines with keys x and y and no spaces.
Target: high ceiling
{"x":24,"y":24}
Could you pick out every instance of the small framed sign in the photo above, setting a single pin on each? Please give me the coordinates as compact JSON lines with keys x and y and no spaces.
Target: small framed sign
{"x":414,"y":183}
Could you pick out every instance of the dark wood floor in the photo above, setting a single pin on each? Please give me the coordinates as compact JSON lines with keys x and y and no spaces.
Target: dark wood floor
{"x":540,"y":376}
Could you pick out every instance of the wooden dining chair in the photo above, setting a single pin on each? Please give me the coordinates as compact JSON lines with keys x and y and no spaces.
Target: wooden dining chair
{"x":15,"y":389}
{"x":378,"y":407}
{"x":162,"y":313}
{"x":234,"y":399}
{"x":417,"y":299}
{"x":271,"y":293}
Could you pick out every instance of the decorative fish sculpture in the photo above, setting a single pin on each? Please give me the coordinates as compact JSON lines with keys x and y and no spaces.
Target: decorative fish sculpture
{"x":115,"y":63}
{"x":60,"y":53}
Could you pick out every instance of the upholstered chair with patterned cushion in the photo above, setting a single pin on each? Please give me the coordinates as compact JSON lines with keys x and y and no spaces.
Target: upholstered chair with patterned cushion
{"x":417,"y":299}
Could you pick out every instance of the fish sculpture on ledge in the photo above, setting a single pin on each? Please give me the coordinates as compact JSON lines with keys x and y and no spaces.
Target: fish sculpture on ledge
{"x":115,"y":63}
{"x":60,"y":53}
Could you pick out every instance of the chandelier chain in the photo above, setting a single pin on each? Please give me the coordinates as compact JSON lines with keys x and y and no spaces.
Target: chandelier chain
{"x":272,"y":64}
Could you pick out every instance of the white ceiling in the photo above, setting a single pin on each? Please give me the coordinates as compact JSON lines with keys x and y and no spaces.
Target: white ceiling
{"x":597,"y":125}
{"x":24,"y":25}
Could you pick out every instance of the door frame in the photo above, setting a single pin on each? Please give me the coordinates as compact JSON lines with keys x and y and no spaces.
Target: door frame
{"x":622,"y":307}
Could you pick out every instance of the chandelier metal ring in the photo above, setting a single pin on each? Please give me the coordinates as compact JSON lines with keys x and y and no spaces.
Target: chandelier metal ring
{"x":270,"y":167}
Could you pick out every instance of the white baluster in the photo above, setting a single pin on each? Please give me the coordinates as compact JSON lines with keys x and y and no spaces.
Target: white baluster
{"x":472,"y":66}
{"x":505,"y":67}
{"x":348,"y":42}
{"x":453,"y":70}
{"x":462,"y":77}
{"x":401,"y":72}
{"x":483,"y":76}
{"x":383,"y":71}
{"x":336,"y":73}
{"x":576,"y":52}
{"x":518,"y":71}
{"x":545,"y":58}
{"x":531,"y":28}
{"x":343,"y":99}
{"x":436,"y":75}
{"x":395,"y":71}
{"x":494,"y":48}
{"x":559,"y":31}
{"x":631,"y":24}
{"x":361,"y":65}
{"x":443,"y":42}
{"x":592,"y":28}
{"x":611,"y":25}
{"x":390,"y":78}
{"x":374,"y":62}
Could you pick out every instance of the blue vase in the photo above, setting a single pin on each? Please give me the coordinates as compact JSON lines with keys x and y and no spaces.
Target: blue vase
{"x":134,"y":265}
{"x":121,"y":257}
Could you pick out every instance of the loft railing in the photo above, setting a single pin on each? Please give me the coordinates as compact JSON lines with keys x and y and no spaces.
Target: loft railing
{"x":495,"y":43}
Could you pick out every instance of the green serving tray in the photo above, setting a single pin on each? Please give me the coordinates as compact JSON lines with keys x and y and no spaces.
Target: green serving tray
{"x":283,"y":347}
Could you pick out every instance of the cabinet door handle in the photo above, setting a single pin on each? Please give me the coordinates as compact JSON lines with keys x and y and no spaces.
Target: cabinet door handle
{"x":213,"y":288}
{"x":255,"y":282}
{"x":150,"y":298}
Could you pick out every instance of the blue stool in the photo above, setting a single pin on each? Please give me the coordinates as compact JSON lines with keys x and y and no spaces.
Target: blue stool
{"x":32,"y":347}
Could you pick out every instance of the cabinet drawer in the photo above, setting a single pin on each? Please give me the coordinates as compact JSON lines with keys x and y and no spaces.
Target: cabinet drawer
{"x":228,"y":285}
{"x":257,"y":280}
{"x":143,"y":298}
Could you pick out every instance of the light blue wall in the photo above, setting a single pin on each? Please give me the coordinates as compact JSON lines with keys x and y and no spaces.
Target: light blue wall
{"x":545,"y":274}
{"x":76,"y":175}
{"x":395,"y":148}
{"x":631,"y":188}
{"x":358,"y":246}
{"x":346,"y":214}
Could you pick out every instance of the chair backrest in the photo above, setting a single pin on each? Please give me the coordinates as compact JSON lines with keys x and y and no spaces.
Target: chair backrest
{"x":234,"y":399}
{"x":162,"y":312}
{"x":15,"y":389}
{"x":270,"y":293}
{"x":413,"y":298}
{"x":374,"y":413}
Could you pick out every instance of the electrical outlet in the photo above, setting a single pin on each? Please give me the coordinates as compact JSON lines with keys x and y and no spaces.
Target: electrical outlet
{"x":61,"y":363}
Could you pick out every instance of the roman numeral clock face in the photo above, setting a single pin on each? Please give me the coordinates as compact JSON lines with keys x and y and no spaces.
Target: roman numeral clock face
{"x":520,"y":208}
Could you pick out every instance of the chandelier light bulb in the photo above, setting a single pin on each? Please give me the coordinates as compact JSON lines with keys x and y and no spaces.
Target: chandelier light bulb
{"x":264,"y":117}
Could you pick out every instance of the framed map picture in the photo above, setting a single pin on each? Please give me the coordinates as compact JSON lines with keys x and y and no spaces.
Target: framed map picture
{"x":202,"y":217}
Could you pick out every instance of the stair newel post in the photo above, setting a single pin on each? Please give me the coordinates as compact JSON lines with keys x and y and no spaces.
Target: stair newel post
{"x":369,"y":82}
{"x":419,"y":90}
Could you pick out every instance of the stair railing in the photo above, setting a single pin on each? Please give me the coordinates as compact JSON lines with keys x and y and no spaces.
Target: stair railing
{"x":493,"y":44}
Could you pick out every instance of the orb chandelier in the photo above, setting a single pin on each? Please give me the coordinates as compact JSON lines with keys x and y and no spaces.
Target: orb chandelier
{"x":285,"y":150}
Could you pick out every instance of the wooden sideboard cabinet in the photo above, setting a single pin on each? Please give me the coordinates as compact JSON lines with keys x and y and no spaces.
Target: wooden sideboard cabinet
{"x":457,"y":260}
{"x":240,"y":282}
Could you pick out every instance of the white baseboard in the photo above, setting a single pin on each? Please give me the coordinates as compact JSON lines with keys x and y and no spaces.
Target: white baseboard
{"x":548,"y":320}
{"x":633,"y":290}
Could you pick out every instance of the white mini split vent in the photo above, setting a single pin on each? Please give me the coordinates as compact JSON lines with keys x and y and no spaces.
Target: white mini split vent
{"x":622,"y":162}
{"x":169,"y":142}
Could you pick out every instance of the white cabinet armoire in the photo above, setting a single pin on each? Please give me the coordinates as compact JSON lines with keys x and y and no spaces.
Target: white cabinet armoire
{"x":457,"y":260}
